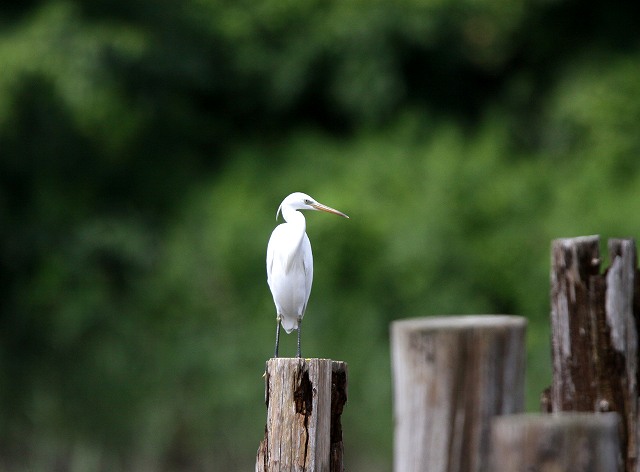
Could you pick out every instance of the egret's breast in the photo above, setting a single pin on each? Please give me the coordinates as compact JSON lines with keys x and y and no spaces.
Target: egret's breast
{"x":288,"y":274}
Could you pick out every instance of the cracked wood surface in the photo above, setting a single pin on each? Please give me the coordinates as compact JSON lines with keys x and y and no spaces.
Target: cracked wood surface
{"x":594,"y":334}
{"x":305,"y":399}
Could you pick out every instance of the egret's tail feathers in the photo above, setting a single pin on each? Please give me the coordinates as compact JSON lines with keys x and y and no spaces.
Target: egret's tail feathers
{"x":289,"y":323}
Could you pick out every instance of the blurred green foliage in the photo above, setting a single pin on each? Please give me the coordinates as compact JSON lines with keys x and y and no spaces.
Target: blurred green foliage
{"x":145,"y":147}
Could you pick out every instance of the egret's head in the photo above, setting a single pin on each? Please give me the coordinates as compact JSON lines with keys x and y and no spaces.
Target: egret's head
{"x":302,"y":201}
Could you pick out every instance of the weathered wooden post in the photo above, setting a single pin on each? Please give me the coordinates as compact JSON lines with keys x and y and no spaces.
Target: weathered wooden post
{"x":560,"y":442}
{"x":304,"y":398}
{"x":594,"y":334}
{"x":451,"y":376}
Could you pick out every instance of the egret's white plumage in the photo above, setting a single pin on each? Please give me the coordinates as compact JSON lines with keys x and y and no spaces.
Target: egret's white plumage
{"x":290,"y":262}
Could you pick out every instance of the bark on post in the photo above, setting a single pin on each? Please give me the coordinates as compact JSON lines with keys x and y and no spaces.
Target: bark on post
{"x":451,"y":376}
{"x":558,"y":442}
{"x":304,"y":398}
{"x":594,"y":334}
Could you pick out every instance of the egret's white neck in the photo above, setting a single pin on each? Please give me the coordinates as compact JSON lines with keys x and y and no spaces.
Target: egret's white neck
{"x":293,"y":216}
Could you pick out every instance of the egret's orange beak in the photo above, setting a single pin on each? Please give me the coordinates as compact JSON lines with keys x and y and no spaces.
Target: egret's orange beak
{"x":321,"y":207}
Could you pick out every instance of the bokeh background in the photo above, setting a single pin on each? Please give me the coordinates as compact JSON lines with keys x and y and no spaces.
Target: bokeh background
{"x":146,"y":145}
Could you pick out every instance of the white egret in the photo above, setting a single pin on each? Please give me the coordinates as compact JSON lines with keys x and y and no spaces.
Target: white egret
{"x":290,"y":262}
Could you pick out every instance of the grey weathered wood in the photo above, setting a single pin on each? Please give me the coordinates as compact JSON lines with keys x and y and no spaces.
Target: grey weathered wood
{"x":304,"y":398}
{"x":594,"y":335}
{"x":451,"y":375}
{"x":562,"y":442}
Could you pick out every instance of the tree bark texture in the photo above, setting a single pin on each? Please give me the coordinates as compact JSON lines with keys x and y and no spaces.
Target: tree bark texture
{"x":304,"y":398}
{"x":563,"y":442}
{"x":451,"y":376}
{"x":594,"y":335}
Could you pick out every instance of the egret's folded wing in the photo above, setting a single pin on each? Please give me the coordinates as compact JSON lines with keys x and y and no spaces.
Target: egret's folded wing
{"x":308,"y":269}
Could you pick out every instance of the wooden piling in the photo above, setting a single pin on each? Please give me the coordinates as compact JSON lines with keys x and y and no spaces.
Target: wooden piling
{"x":594,"y":334}
{"x":560,"y":442}
{"x":304,"y":398}
{"x":451,"y":376}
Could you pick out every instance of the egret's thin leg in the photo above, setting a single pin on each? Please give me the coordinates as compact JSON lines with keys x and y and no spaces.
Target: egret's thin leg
{"x":299,"y":329}
{"x":277,"y":334}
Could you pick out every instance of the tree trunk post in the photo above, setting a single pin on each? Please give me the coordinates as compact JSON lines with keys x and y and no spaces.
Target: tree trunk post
{"x":304,"y":398}
{"x":559,"y":442}
{"x":451,"y":376}
{"x":594,"y":335}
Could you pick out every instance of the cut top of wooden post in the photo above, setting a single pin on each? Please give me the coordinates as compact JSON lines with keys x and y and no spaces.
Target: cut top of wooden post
{"x":455,"y":322}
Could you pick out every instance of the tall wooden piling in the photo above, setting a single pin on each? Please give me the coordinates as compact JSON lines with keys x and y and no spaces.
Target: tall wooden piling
{"x":304,"y":398}
{"x":451,"y":375}
{"x":594,"y":334}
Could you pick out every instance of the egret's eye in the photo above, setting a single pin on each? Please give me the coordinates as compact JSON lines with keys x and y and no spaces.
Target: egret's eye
{"x":307,"y":201}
